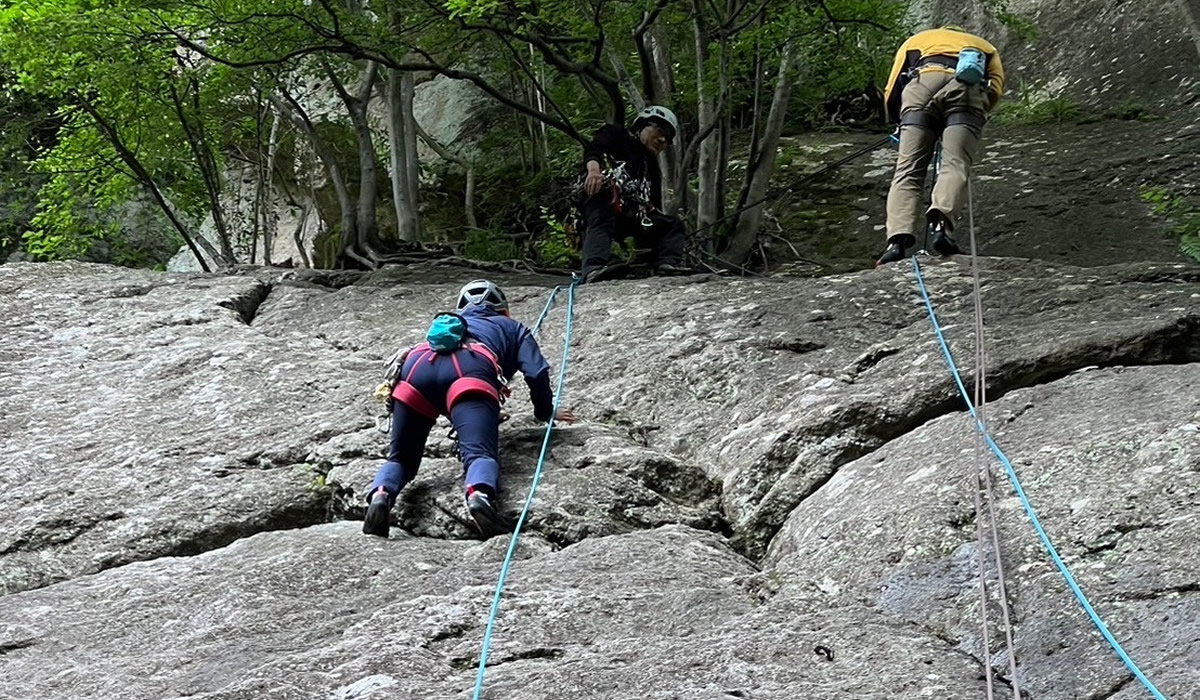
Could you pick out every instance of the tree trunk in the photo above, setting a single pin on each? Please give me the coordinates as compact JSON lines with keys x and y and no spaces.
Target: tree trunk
{"x":663,"y":78}
{"x":365,"y":229}
{"x":194,"y":242}
{"x":256,"y":207}
{"x":287,"y":106}
{"x":207,"y":164}
{"x":260,"y":176}
{"x":298,"y":234}
{"x":541,"y":143}
{"x":725,"y":127}
{"x":1190,"y":9}
{"x":756,"y":110}
{"x":368,"y":184}
{"x":412,"y":162}
{"x":724,"y":139}
{"x":762,"y":167}
{"x":406,"y":219}
{"x":268,"y":198}
{"x":622,"y":73}
{"x":468,"y":166}
{"x":706,"y":167}
{"x":306,"y":210}
{"x":469,"y":196}
{"x":663,"y":82}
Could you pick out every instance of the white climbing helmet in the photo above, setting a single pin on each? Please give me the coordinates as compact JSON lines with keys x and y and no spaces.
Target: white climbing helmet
{"x":482,"y":292}
{"x":659,"y":115}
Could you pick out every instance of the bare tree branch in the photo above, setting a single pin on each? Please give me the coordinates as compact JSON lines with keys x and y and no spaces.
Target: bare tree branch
{"x":146,"y":180}
{"x":649,"y":89}
{"x":836,"y":21}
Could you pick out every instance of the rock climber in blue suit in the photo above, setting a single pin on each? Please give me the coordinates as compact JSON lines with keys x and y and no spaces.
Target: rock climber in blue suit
{"x":467,"y":384}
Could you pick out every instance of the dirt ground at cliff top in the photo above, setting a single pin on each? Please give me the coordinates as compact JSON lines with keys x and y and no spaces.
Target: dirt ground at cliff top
{"x":1066,"y":193}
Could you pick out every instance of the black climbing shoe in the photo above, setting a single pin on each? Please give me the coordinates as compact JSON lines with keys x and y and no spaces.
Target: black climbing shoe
{"x":376,"y":521}
{"x":489,"y":522}
{"x":943,"y":243}
{"x":897,"y":249}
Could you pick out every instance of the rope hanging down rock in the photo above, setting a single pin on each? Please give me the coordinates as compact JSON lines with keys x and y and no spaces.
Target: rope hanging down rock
{"x":984,"y":437}
{"x":537,"y":475}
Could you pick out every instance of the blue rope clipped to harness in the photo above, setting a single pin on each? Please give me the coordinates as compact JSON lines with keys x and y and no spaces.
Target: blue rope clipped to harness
{"x":537,"y":475}
{"x":1025,"y":504}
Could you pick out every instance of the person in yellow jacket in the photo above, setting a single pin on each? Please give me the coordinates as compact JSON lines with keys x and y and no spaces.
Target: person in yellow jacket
{"x":944,"y":83}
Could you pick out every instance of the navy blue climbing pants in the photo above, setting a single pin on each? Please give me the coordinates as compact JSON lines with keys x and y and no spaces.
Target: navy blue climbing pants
{"x":475,"y":417}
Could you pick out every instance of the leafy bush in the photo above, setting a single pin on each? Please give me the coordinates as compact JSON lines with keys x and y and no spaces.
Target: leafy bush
{"x":1182,"y":215}
{"x":490,"y":244}
{"x":553,"y":248}
{"x":1035,"y":106}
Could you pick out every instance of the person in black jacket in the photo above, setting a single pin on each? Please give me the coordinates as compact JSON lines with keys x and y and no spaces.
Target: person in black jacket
{"x":623,"y":186}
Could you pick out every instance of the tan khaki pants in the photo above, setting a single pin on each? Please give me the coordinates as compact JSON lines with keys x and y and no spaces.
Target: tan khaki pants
{"x":939,"y":94}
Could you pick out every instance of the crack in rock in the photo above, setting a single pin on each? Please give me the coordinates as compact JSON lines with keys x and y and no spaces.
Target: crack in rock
{"x":1170,"y":591}
{"x":1109,"y":539}
{"x":1114,"y":689}
{"x":247,"y":302}
{"x":294,"y":517}
{"x":9,"y":647}
{"x":59,"y":531}
{"x":862,"y":431}
{"x":956,"y":647}
{"x":536,"y":653}
{"x":796,"y":345}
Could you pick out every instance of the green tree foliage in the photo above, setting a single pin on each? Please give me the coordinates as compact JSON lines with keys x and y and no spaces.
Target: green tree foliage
{"x":137,"y":112}
{"x":1182,"y":214}
{"x":159,"y":98}
{"x":30,"y":126}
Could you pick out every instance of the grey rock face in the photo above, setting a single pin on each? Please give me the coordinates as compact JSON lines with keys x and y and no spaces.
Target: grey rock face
{"x":770,"y":385}
{"x":1110,"y":460}
{"x":656,"y":614}
{"x":766,"y":495}
{"x":1054,"y":60}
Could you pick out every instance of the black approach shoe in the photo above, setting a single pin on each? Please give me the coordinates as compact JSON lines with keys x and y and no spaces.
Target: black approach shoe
{"x":897,"y":250}
{"x":376,"y":521}
{"x":489,"y":522}
{"x":943,"y":243}
{"x":611,"y":271}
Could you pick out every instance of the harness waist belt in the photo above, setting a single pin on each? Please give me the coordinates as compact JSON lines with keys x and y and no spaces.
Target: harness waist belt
{"x":941,"y":60}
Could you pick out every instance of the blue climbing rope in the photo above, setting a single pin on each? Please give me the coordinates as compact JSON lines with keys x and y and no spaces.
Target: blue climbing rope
{"x":1020,"y":491}
{"x":537,"y":475}
{"x":537,"y":325}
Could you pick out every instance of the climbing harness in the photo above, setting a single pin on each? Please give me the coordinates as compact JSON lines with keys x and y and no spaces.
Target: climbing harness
{"x":537,"y":475}
{"x":624,"y":189}
{"x":397,"y":386}
{"x":983,"y":482}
